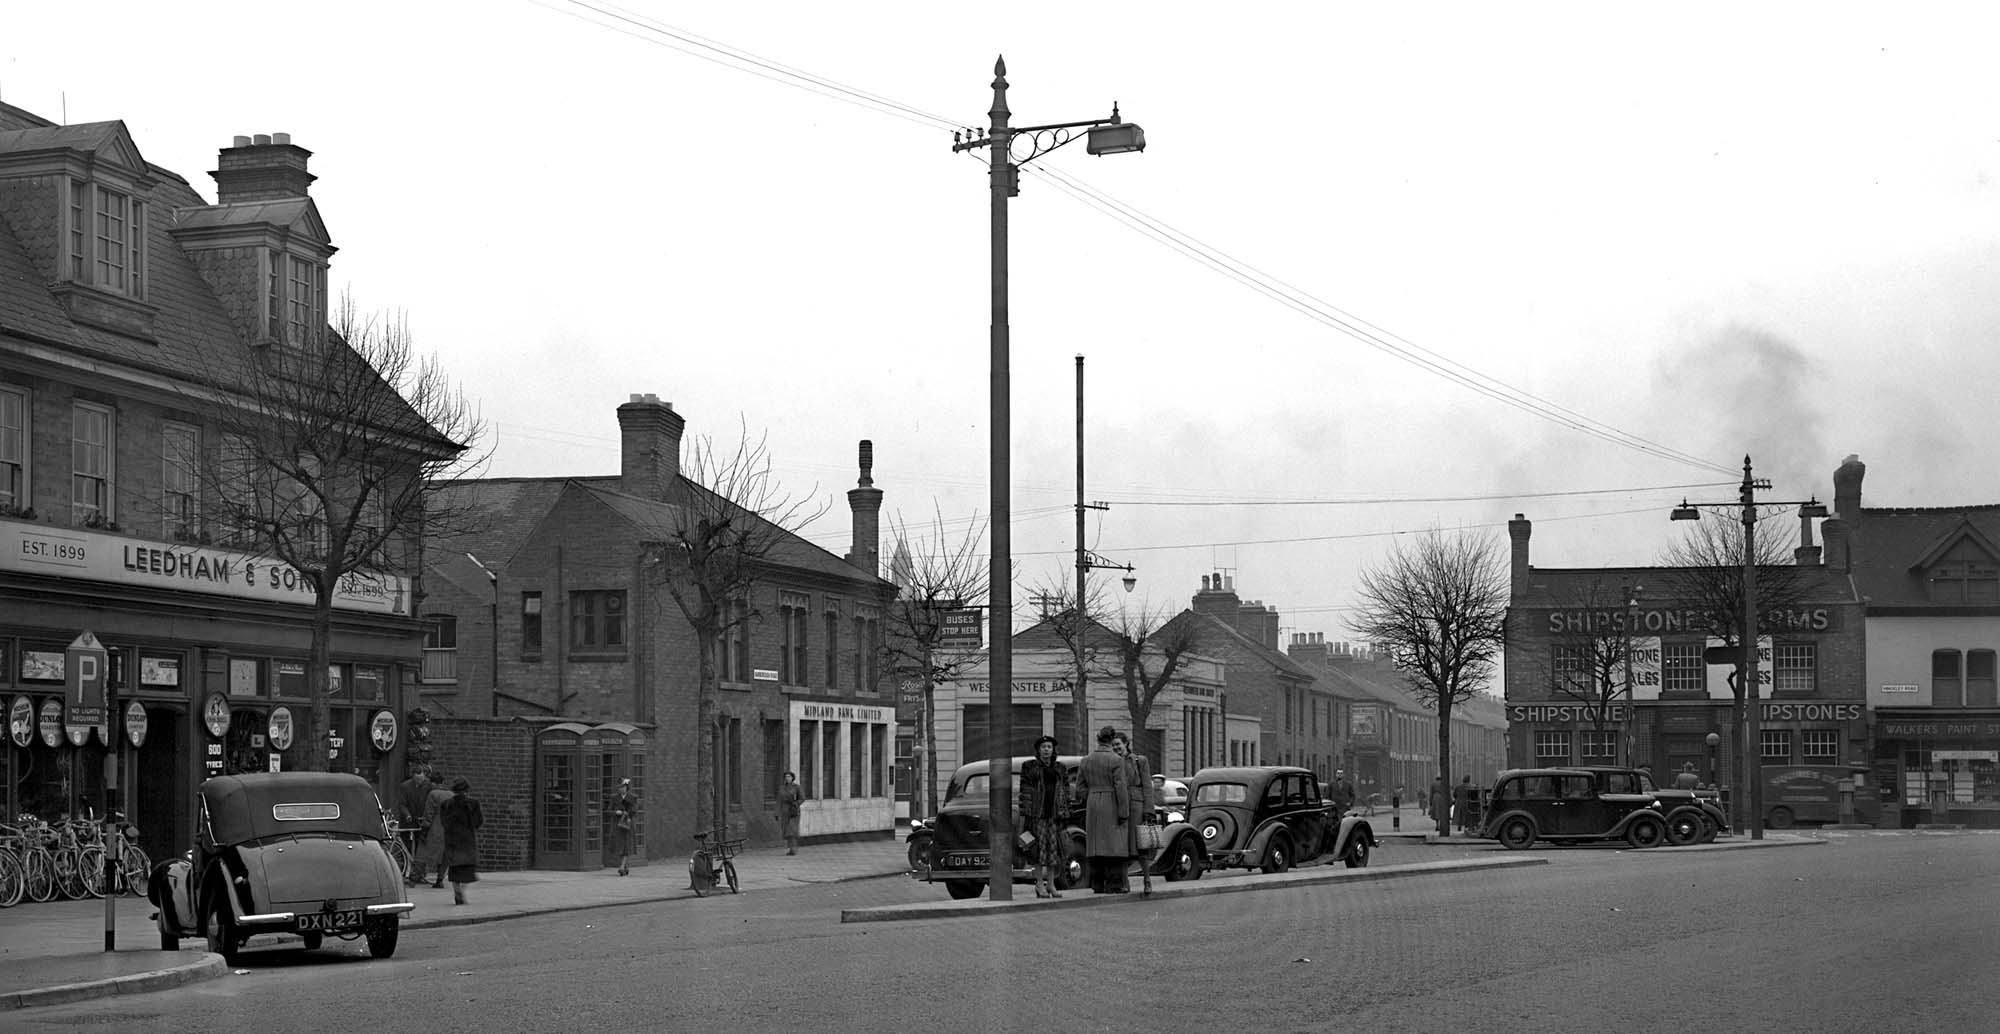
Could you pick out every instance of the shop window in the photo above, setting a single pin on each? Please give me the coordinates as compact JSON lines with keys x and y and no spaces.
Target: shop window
{"x":857,"y":760}
{"x":829,"y":759}
{"x":1979,"y":683}
{"x":1795,"y":668}
{"x":1819,"y":744}
{"x":336,"y":682}
{"x":1552,"y":746}
{"x":878,"y":740}
{"x":531,"y":624}
{"x":288,"y":679}
{"x":368,"y":682}
{"x":808,"y":770}
{"x":1597,"y":746}
{"x":1775,"y":744}
{"x":42,"y":664}
{"x":1947,"y":684}
{"x":1682,"y":669}
{"x":597,"y":620}
{"x":246,"y":677}
{"x":440,"y":648}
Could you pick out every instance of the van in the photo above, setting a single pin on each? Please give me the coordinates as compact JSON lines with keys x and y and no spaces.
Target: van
{"x":1811,"y":793}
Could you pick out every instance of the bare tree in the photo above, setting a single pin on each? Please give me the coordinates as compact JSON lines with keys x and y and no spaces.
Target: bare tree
{"x":944,"y":574}
{"x":327,"y":457}
{"x":1437,"y":608}
{"x":1151,"y":651}
{"x":1707,"y":575}
{"x":1072,"y":628}
{"x":730,"y":526}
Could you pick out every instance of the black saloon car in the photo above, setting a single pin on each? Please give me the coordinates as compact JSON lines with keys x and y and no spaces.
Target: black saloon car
{"x":1272,"y":817}
{"x":1573,"y":805}
{"x":283,"y":852}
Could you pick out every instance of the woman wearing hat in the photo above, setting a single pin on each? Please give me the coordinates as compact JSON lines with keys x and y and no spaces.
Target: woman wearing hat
{"x":461,"y":819}
{"x":1044,"y":804}
{"x":624,"y":812}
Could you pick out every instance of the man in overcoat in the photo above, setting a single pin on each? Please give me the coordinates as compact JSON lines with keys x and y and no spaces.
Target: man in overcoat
{"x":1107,"y":810}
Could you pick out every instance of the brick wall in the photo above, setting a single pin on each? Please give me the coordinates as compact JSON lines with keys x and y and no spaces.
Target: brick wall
{"x":497,"y":756}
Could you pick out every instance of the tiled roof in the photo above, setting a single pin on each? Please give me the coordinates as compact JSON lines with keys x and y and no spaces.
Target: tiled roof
{"x":286,"y":212}
{"x":1566,"y":586}
{"x":502,"y":512}
{"x":1890,"y":543}
{"x":787,"y":550}
{"x":1212,"y":628}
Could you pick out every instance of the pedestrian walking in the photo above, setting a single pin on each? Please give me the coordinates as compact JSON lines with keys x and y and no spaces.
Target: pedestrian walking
{"x":1139,"y":791}
{"x":1107,"y":809}
{"x":411,"y":794}
{"x":1341,"y":790}
{"x":791,"y":799}
{"x":1043,"y":802}
{"x":1440,"y":802}
{"x":430,"y":854}
{"x":1463,"y":797}
{"x":461,"y":818}
{"x":624,"y":816}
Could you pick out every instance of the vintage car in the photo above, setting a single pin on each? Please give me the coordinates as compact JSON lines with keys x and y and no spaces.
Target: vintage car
{"x":282,"y":852}
{"x":1573,"y":805}
{"x":1171,"y":794}
{"x":955,"y":848}
{"x":1272,"y":817}
{"x":1693,"y":816}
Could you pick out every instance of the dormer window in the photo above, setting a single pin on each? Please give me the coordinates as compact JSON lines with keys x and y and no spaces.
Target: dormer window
{"x":105,"y":238}
{"x":1966,"y":582}
{"x":295,"y":298}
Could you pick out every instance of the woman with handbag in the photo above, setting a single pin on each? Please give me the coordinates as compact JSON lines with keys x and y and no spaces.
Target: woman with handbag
{"x":1043,"y":802}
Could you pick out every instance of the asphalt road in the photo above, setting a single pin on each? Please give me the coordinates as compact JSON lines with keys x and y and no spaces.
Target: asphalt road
{"x":1866,"y":934}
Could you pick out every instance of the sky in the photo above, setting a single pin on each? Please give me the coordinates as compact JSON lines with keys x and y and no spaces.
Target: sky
{"x":1382,"y":268}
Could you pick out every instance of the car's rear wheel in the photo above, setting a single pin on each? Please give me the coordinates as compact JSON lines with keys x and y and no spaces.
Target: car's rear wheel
{"x":169,"y":940}
{"x":1517,"y":834}
{"x":920,"y":854}
{"x":1278,"y":857}
{"x":223,"y":939}
{"x":382,"y":936}
{"x":1646,"y":833}
{"x":1710,"y":829}
{"x":963,"y":890}
{"x":1781,"y":818}
{"x":1358,"y":852}
{"x":1184,"y":860}
{"x":1685,"y":826}
{"x":313,"y":940}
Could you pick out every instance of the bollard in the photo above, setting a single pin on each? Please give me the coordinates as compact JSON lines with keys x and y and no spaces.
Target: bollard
{"x":1396,"y":812}
{"x":1847,"y":802}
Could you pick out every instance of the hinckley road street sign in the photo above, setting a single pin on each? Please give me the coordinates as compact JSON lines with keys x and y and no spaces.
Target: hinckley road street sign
{"x":84,"y":664}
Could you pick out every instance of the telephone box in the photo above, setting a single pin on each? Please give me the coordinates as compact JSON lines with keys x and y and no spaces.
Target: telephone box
{"x":623,"y":749}
{"x":569,"y":766}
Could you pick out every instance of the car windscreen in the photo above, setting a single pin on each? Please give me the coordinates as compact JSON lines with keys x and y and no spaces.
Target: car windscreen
{"x":1221,"y":793}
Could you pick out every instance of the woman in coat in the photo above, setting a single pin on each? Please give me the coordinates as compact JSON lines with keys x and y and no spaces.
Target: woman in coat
{"x":1043,"y":801}
{"x":461,"y":818}
{"x":430,"y":853}
{"x":1106,"y":810}
{"x":1139,"y":789}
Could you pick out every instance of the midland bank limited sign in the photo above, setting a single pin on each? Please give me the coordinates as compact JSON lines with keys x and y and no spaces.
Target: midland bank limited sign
{"x":69,"y":553}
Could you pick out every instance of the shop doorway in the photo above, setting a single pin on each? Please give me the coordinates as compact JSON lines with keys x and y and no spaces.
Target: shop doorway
{"x":157,"y":803}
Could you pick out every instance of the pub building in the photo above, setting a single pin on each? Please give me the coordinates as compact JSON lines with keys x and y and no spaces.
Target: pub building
{"x":1667,"y":702}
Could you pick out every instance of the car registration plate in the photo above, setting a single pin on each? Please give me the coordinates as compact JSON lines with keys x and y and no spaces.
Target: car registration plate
{"x":341,"y":920}
{"x":965,"y":860}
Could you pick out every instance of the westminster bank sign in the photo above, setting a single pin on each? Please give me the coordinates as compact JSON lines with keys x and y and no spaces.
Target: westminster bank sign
{"x":67,"y":553}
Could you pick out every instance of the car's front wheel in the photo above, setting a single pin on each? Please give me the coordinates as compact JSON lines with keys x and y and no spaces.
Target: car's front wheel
{"x":1646,"y":833}
{"x":1517,"y":834}
{"x":382,"y":935}
{"x":962,"y":890}
{"x":1685,"y":827}
{"x":1781,"y":818}
{"x":1278,"y":857}
{"x":1358,"y":852}
{"x":223,"y":938}
{"x":1184,"y":861}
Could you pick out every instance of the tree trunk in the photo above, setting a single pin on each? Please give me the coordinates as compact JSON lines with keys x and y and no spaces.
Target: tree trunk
{"x":929,"y":773}
{"x":1444,"y":756}
{"x":1080,"y":699}
{"x":312,"y":739}
{"x":705,"y":818}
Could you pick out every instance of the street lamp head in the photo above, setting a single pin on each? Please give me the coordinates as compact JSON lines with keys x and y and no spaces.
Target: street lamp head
{"x":1129,"y":580}
{"x":1684,"y":512}
{"x":1713,"y":739}
{"x":1116,"y":137}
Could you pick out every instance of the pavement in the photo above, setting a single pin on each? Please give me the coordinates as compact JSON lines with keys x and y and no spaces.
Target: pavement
{"x":55,"y":952}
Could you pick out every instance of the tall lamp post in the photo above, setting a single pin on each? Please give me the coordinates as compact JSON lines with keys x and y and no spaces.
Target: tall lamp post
{"x":1105,"y":136}
{"x":1750,"y":779}
{"x":1631,"y":623}
{"x":1085,"y":559}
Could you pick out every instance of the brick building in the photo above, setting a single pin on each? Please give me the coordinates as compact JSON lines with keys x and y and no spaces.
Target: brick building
{"x":553,"y":620}
{"x":1659,"y":700}
{"x":1930,"y":577}
{"x":1390,"y":738}
{"x":129,"y":308}
{"x":1297,"y":723}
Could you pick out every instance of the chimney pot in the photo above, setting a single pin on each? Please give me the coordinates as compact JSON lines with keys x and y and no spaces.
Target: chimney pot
{"x":262,"y":139}
{"x":240,"y":141}
{"x":281,"y":138}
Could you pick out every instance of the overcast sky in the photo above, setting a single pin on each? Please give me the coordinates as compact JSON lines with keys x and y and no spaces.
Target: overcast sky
{"x":1697,"y":232}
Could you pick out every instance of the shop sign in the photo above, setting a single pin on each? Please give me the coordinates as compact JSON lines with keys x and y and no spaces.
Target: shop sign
{"x":1619,"y":621}
{"x":78,"y":734}
{"x":846,"y":712}
{"x":1023,"y":689}
{"x":1787,"y":711}
{"x":1364,"y":724}
{"x":215,"y":715}
{"x":1937,"y":729}
{"x":1563,"y":714}
{"x":281,"y":728}
{"x":382,"y":731}
{"x":21,"y":721}
{"x":135,"y":723}
{"x":52,"y":729}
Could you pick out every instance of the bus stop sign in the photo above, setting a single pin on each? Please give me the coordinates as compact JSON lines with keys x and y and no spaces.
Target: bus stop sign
{"x":84,"y":669}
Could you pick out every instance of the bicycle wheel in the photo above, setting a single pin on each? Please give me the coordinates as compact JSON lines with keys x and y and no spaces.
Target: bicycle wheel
{"x":138,"y":868}
{"x":400,"y":854}
{"x":40,"y":872}
{"x":701,"y":879}
{"x":729,"y":873}
{"x":90,"y":872}
{"x":13,"y":882}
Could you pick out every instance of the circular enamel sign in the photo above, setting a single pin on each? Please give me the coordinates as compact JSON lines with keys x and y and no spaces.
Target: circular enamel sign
{"x":52,"y":723}
{"x":281,"y":728}
{"x":215,"y":715}
{"x":78,"y":734}
{"x":382,"y":730}
{"x":21,"y":721}
{"x":135,"y":723}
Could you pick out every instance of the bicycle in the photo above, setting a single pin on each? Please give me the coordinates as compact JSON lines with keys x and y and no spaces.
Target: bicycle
{"x":399,"y":852}
{"x":711,"y":863}
{"x":130,"y":866}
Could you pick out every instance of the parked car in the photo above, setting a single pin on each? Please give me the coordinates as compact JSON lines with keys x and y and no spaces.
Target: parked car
{"x":1272,"y":817}
{"x":1573,"y":805}
{"x":1693,"y":816}
{"x":282,"y":852}
{"x":1171,"y":794}
{"x":957,"y":851}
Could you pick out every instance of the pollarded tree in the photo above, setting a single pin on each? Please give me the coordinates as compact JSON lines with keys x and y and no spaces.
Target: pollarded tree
{"x":326,"y":459}
{"x":730,"y":525}
{"x":946,"y":573}
{"x":1437,"y":607}
{"x":1151,"y":651}
{"x":1073,"y":629}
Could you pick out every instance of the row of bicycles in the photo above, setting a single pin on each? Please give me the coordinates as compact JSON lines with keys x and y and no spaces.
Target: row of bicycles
{"x":44,"y":861}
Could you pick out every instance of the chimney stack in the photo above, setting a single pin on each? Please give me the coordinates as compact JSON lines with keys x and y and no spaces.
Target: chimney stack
{"x":1847,"y":489}
{"x":1807,"y":554}
{"x":264,"y":167}
{"x":865,"y":502}
{"x":1518,"y":530}
{"x":649,"y":447}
